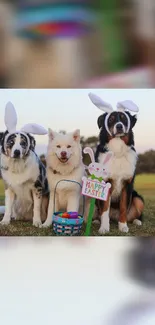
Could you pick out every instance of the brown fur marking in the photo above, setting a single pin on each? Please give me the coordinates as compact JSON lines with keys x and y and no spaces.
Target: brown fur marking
{"x":123,"y":206}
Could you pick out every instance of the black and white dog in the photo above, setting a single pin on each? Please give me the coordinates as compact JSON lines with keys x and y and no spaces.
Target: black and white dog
{"x":116,"y":135}
{"x":24,"y":175}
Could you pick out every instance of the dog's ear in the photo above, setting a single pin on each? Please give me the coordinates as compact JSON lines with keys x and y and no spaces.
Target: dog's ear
{"x":51,"y":134}
{"x":1,"y":137}
{"x":101,"y":119}
{"x":133,"y":120}
{"x":32,"y":142}
{"x":76,"y":135}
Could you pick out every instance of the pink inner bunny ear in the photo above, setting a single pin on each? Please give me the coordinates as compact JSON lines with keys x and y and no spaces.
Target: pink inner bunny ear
{"x":34,"y":129}
{"x":90,"y":152}
{"x":10,"y":117}
{"x":108,"y":157}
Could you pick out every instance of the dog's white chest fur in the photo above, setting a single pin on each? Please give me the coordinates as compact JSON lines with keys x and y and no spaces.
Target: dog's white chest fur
{"x":122,"y":165}
{"x":65,"y":188}
{"x":20,"y":175}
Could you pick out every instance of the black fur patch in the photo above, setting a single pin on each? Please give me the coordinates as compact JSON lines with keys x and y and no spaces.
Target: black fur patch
{"x":41,"y":183}
{"x":1,"y":137}
{"x":32,"y":142}
{"x":11,"y":141}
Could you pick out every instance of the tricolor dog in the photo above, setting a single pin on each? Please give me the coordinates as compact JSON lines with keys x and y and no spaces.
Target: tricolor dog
{"x":116,"y":135}
{"x":26,"y":186}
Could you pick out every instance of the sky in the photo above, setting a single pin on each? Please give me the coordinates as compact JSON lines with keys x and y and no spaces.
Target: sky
{"x":72,"y":109}
{"x":66,"y":282}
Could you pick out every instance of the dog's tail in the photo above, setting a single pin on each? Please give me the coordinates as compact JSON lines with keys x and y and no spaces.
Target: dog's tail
{"x":2,"y":209}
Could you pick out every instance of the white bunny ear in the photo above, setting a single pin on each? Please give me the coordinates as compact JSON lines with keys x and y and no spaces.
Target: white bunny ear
{"x":90,"y":153}
{"x":34,"y":129}
{"x":108,"y":156}
{"x":97,"y":101}
{"x":10,"y":117}
{"x":127,"y":105}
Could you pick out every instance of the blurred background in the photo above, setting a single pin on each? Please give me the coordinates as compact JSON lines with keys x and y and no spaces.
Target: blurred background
{"x":71,"y":282}
{"x":77,"y":44}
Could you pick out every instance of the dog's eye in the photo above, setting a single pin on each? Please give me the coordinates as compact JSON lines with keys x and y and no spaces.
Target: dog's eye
{"x":111,"y":119}
{"x":23,"y":143}
{"x":11,"y":143}
{"x":122,"y":116}
{"x":68,"y":146}
{"x":58,"y":146}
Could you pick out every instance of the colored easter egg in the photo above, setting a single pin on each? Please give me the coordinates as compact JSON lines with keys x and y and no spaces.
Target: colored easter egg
{"x":73,"y":215}
{"x":65,"y":215}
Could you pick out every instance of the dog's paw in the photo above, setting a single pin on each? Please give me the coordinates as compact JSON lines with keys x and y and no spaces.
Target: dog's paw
{"x":122,"y":226}
{"x":37,"y":223}
{"x":4,"y":222}
{"x":137,"y":222}
{"x":105,"y":223}
{"x":103,"y":230}
{"x":46,"y":225}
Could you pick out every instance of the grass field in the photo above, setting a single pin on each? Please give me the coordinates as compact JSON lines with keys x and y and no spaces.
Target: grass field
{"x":144,"y":184}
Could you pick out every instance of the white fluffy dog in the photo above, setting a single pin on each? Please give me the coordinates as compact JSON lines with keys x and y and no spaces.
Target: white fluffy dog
{"x":64,"y":162}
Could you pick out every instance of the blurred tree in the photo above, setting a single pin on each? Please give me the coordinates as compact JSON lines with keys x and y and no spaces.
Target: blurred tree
{"x":146,"y":162}
{"x":62,"y":131}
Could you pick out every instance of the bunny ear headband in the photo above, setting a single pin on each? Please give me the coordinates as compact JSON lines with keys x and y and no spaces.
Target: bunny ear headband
{"x":126,"y":105}
{"x":10,"y":120}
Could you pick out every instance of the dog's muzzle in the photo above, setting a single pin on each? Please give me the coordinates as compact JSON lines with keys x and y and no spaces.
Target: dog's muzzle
{"x":119,"y":129}
{"x":63,"y":158}
{"x":16,"y":154}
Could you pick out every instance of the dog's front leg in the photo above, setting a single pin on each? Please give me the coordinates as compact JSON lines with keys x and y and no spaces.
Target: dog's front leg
{"x":48,"y":221}
{"x":37,"y":200}
{"x":105,"y":219}
{"x":122,"y":223}
{"x":9,"y":199}
{"x":73,"y":202}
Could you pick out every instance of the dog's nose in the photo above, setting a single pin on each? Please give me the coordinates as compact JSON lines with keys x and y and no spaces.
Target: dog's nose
{"x":16,"y":153}
{"x":63,"y":154}
{"x":119,"y":127}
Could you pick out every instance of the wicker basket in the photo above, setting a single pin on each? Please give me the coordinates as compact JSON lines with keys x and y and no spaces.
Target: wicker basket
{"x":65,"y":226}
